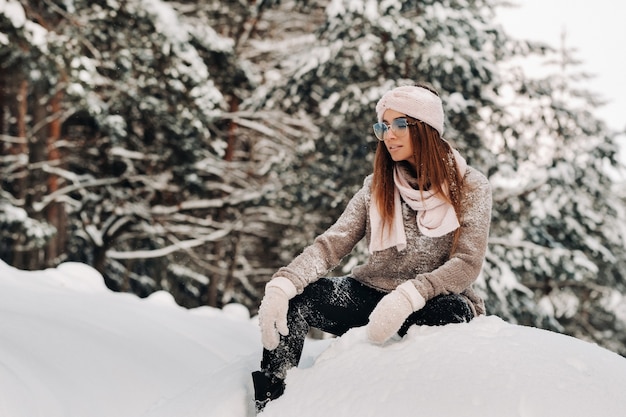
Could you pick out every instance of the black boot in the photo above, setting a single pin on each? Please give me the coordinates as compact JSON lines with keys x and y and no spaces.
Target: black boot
{"x":267,"y":387}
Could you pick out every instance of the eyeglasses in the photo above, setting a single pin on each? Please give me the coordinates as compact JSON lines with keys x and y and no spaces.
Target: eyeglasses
{"x":398,"y":127}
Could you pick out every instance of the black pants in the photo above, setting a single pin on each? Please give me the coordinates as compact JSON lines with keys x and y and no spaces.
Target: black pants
{"x":335,"y":305}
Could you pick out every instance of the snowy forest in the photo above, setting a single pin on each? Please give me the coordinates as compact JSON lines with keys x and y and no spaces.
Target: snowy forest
{"x":196,"y":147}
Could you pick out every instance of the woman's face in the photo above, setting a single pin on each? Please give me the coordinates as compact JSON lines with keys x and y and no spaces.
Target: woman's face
{"x":399,"y":146}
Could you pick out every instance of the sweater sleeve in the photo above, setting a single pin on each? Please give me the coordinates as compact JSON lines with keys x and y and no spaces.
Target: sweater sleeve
{"x":327,"y":250}
{"x":461,"y":270}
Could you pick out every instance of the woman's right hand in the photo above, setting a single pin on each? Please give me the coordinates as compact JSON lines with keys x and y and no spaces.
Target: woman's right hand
{"x":273,"y":311}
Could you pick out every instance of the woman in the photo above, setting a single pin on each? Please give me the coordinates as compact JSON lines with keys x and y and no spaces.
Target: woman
{"x":425,"y":215}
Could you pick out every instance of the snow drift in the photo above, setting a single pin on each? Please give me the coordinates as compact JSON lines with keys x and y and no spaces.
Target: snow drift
{"x":70,"y":347}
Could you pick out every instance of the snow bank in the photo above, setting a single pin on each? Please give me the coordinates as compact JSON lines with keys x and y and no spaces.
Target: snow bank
{"x":486,"y":368}
{"x":70,"y":347}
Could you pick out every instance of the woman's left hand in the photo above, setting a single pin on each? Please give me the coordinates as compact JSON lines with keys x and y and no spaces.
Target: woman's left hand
{"x":392,"y":310}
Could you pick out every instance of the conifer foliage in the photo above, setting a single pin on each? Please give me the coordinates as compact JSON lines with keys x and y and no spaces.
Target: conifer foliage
{"x":198,"y":146}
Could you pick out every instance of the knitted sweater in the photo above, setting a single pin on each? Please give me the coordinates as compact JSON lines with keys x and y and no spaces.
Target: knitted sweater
{"x":425,"y":261}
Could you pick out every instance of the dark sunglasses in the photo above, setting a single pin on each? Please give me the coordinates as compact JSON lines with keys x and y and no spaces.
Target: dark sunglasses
{"x":398,"y":127}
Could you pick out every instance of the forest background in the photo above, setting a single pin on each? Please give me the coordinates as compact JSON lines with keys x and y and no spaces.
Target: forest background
{"x":196,"y":147}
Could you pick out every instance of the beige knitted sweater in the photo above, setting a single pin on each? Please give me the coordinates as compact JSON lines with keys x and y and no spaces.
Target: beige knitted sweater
{"x":425,"y":260}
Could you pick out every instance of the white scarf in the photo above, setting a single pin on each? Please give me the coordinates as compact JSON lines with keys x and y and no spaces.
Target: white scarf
{"x":435,"y":217}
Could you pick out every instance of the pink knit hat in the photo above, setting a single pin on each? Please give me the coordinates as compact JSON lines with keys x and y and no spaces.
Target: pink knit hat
{"x":417,"y":102}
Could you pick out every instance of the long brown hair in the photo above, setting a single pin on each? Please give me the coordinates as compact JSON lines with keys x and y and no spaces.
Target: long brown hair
{"x":435,"y":170}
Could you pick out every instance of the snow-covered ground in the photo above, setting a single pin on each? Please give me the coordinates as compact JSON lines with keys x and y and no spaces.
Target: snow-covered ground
{"x":69,"y":347}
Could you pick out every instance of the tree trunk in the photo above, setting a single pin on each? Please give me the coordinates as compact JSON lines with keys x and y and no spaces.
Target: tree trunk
{"x":220,"y":249}
{"x":22,"y":259}
{"x":35,"y":184}
{"x":55,"y":212}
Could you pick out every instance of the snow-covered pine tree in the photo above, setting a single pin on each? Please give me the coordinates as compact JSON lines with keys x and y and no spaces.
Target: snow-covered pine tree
{"x":29,"y":113}
{"x":557,"y":256}
{"x":136,"y":101}
{"x":162,"y":177}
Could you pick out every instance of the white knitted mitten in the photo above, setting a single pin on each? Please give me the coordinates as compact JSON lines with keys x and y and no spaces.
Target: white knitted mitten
{"x":392,"y":310}
{"x":273,"y":311}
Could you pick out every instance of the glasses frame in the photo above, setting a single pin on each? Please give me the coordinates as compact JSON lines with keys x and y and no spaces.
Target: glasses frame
{"x":398,"y":126}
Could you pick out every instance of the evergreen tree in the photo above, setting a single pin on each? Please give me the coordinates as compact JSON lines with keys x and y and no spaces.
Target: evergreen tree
{"x":557,"y":253}
{"x":162,"y":177}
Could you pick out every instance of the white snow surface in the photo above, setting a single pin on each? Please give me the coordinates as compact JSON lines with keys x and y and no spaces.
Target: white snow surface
{"x":70,"y":347}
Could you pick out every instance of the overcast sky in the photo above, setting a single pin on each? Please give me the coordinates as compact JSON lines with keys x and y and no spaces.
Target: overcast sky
{"x":596,"y":28}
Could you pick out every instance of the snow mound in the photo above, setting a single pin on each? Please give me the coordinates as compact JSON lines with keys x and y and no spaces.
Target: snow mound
{"x":486,"y":368}
{"x":74,"y":276}
{"x":69,"y":347}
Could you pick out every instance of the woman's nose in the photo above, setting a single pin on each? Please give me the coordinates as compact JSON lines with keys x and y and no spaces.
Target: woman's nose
{"x":390,"y":135}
